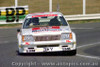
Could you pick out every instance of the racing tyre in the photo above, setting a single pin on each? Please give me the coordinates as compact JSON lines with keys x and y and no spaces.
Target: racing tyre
{"x":20,"y":53}
{"x":72,"y":52}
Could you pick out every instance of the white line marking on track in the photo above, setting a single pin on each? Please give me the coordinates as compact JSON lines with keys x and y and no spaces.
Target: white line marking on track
{"x":92,"y":57}
{"x":81,"y":28}
{"x":88,"y":45}
{"x":4,"y":42}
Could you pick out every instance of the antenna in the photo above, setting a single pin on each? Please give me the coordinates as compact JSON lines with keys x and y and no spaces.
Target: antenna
{"x":58,"y":7}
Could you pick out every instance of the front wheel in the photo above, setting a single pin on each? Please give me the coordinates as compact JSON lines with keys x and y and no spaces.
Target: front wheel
{"x":19,"y":53}
{"x":70,"y":53}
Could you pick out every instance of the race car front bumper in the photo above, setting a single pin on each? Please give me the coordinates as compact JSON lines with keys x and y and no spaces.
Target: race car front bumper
{"x":47,"y":46}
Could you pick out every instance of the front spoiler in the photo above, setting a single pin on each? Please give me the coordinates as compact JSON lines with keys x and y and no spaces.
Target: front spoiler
{"x":64,"y":45}
{"x":45,"y":49}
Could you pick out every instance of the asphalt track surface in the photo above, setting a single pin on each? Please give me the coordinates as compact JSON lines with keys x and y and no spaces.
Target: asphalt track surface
{"x":88,"y":53}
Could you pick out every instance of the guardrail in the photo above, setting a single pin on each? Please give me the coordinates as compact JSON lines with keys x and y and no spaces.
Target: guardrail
{"x":69,"y":18}
{"x":82,"y":17}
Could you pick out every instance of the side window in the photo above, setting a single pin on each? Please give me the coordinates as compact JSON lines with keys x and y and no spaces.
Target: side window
{"x":63,"y":21}
{"x":26,"y":23}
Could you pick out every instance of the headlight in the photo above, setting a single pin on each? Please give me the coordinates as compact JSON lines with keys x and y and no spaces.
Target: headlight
{"x":27,"y":38}
{"x":65,"y":36}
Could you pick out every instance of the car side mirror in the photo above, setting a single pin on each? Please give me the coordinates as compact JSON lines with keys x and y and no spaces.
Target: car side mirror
{"x":18,"y":30}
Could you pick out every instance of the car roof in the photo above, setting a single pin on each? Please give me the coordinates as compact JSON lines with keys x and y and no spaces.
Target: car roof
{"x":43,"y":13}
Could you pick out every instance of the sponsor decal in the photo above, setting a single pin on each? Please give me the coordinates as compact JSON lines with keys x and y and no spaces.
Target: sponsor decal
{"x":11,"y":14}
{"x":48,"y":49}
{"x":46,"y":15}
{"x":37,"y":28}
{"x":55,"y":27}
{"x":42,"y":29}
{"x":68,"y":41}
{"x":27,"y":43}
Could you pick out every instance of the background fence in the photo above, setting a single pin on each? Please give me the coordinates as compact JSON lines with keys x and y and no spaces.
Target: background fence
{"x":67,"y":7}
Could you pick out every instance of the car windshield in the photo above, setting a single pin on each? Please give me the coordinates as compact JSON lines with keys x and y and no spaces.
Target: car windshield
{"x":44,"y":21}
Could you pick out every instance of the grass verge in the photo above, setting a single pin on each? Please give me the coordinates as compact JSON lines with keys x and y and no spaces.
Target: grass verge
{"x":9,"y":25}
{"x":67,"y":7}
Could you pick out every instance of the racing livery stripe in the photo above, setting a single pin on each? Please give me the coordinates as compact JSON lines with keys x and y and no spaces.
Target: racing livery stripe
{"x":55,"y":27}
{"x":46,"y":15}
{"x":41,"y":29}
{"x":27,"y":43}
{"x":37,"y":28}
{"x":68,"y":41}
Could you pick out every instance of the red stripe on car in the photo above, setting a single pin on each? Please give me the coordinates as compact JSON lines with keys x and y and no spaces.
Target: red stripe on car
{"x":46,"y":15}
{"x":27,"y":43}
{"x":37,"y":28}
{"x":68,"y":41}
{"x":55,"y":27}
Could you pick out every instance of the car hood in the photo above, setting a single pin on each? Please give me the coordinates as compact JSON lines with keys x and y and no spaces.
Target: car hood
{"x":51,"y":30}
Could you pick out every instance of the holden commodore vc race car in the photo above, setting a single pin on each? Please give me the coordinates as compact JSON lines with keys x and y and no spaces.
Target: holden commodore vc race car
{"x":46,"y":32}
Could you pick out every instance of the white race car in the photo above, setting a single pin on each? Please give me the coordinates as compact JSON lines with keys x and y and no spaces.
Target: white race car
{"x":46,"y":32}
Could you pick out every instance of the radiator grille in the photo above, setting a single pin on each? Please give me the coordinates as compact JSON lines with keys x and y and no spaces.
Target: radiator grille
{"x":47,"y":38}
